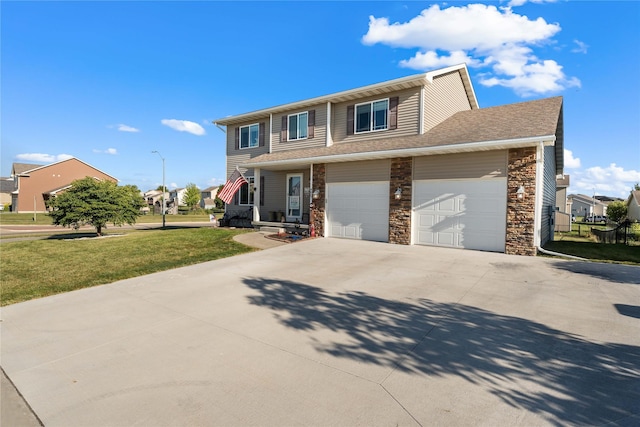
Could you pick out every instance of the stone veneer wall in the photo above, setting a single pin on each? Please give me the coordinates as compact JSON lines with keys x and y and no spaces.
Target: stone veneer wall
{"x":400,"y":210}
{"x":317,"y":210}
{"x":521,"y":170}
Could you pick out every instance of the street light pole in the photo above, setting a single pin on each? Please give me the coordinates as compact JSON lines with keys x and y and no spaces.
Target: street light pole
{"x":164,"y":208}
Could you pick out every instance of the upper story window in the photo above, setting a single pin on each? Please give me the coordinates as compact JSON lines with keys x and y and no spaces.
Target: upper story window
{"x":372,"y":116}
{"x":298,"y":126}
{"x":249,"y":136}
{"x":381,"y":114}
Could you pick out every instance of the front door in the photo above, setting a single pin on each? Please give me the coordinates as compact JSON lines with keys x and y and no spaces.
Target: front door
{"x":294,"y":197}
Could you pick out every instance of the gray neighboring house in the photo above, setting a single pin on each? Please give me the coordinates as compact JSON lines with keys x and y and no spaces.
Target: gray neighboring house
{"x":407,"y":161}
{"x":583,"y":205}
{"x":208,"y":197}
{"x":7,"y":185}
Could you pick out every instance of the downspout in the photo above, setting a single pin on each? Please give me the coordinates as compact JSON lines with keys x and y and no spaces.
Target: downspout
{"x":270,"y":131}
{"x":558,"y":254}
{"x":537,"y":221}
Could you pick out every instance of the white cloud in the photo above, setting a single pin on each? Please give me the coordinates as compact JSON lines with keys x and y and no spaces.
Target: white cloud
{"x":184,"y":126}
{"x":215,"y":182}
{"x":172,"y":185}
{"x":43,"y":158}
{"x":482,"y":36}
{"x":536,"y":78}
{"x":514,"y":3}
{"x":571,"y":162}
{"x":612,"y":180}
{"x":112,"y":151}
{"x":581,"y":47}
{"x":124,"y":128}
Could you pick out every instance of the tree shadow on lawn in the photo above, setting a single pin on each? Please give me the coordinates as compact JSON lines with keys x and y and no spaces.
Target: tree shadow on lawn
{"x":528,"y":365}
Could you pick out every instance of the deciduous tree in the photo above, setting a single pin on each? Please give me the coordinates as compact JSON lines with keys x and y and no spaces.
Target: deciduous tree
{"x":617,"y":211}
{"x":92,"y":202}
{"x":191,"y":196}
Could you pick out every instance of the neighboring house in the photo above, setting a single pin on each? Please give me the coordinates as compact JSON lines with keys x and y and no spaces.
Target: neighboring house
{"x":154,"y":199}
{"x":208,"y":197}
{"x":633,"y":206}
{"x":176,"y":196}
{"x":6,"y":188}
{"x":33,"y":184}
{"x":563,"y":207}
{"x":582,"y":205}
{"x":407,"y":161}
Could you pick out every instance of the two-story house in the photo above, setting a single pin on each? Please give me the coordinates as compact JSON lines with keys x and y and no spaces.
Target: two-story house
{"x":35,"y":184}
{"x":407,"y":161}
{"x":208,"y":197}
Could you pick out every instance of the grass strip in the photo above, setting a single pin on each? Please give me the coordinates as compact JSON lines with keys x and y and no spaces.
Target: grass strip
{"x":601,"y":252}
{"x":39,"y":268}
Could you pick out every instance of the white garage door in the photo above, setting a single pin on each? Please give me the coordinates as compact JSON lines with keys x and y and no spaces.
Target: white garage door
{"x":467,"y":214}
{"x":358,"y":210}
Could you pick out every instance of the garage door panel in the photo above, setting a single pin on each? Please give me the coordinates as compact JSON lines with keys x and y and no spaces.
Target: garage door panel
{"x":358,"y":210}
{"x":465,"y":213}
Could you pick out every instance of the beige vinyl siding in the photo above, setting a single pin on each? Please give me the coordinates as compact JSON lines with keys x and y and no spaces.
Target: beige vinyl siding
{"x":320,"y":130}
{"x":445,"y":97}
{"x":362,"y":171}
{"x":239,"y":156}
{"x":548,"y":194}
{"x":408,"y":112}
{"x":274,"y":193}
{"x":275,"y":188}
{"x":479,"y":164}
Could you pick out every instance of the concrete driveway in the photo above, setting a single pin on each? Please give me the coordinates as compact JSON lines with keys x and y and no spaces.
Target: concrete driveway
{"x":336,"y":332}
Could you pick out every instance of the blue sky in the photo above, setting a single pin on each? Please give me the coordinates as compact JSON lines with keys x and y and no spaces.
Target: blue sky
{"x":109,"y":82}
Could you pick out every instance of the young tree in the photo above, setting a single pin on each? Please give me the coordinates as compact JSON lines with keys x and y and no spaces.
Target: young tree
{"x":218,"y":201}
{"x":617,"y":211}
{"x":93,"y":202}
{"x":191,"y":196}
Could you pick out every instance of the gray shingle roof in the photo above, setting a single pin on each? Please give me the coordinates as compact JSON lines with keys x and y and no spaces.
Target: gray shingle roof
{"x":19,"y":168}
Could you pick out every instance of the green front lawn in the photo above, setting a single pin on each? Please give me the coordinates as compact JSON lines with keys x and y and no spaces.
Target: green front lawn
{"x":34,"y":269}
{"x":11,"y":218}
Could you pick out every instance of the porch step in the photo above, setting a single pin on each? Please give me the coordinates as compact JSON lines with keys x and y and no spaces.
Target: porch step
{"x":272,"y":229}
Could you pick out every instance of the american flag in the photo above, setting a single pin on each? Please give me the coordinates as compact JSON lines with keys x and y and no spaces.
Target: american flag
{"x":232,"y":186}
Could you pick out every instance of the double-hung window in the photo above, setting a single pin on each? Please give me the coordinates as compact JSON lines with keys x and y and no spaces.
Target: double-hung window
{"x":245,"y":195}
{"x":372,"y":116}
{"x":298,"y":125}
{"x":249,"y":136}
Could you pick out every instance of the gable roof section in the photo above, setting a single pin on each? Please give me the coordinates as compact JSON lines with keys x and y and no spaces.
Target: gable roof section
{"x":508,"y":126}
{"x":635,"y":196}
{"x":6,"y":185}
{"x":37,"y":167}
{"x":21,"y":168}
{"x":415,"y":80}
{"x":585,"y":199}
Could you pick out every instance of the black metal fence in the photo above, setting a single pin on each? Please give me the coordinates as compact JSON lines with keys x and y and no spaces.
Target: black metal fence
{"x":620,"y":234}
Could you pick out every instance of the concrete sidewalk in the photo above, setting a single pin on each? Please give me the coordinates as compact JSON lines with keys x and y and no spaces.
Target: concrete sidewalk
{"x":337,"y":332}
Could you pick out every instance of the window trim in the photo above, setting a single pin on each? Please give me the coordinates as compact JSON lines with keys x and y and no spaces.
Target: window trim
{"x":250,"y":194}
{"x":297,"y":125}
{"x":240,"y":147}
{"x":371,"y":121}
